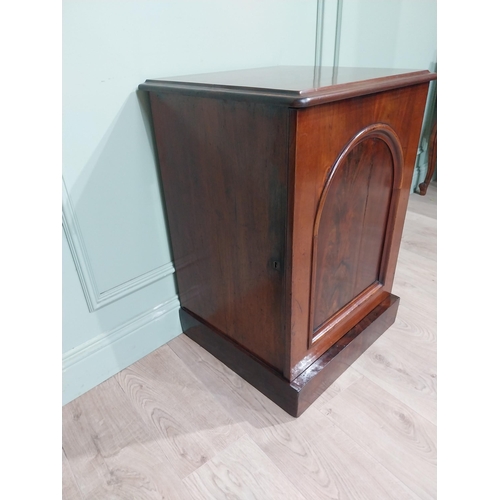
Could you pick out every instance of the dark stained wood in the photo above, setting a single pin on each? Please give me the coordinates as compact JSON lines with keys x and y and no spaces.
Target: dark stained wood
{"x":312,"y":382}
{"x":292,"y":86}
{"x":323,"y":133}
{"x":267,"y":380}
{"x":224,"y":172}
{"x":296,"y":396}
{"x":431,"y":162}
{"x":350,"y":231}
{"x":286,"y":199}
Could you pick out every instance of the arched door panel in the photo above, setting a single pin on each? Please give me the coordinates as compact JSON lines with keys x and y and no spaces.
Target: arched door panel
{"x":352,"y":228}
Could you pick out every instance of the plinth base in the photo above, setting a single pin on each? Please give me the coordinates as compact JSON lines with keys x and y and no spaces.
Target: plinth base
{"x":296,"y":396}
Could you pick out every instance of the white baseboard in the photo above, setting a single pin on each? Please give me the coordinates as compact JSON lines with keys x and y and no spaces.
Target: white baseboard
{"x":93,"y":362}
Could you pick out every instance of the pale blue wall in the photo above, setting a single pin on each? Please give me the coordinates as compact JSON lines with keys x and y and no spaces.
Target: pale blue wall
{"x":119,"y":292}
{"x":118,"y":283}
{"x":388,"y":33}
{"x":392,"y":34}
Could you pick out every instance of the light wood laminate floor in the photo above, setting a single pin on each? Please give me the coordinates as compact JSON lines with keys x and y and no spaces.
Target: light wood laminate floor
{"x":178,"y":424}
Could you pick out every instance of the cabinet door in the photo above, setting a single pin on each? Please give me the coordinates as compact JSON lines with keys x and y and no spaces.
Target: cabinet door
{"x":352,"y":172}
{"x":353,"y":231}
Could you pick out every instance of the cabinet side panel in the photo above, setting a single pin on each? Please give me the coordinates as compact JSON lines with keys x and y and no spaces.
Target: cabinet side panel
{"x":223,"y":166}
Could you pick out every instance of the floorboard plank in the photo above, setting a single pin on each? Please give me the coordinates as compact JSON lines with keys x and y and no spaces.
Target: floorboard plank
{"x":403,"y":373}
{"x":419,"y":235}
{"x":425,"y":205}
{"x":392,"y":433}
{"x":70,"y":490}
{"x":111,"y":453}
{"x":241,"y":471}
{"x":341,"y":384}
{"x":322,"y":462}
{"x":187,"y":421}
{"x":245,"y":403}
{"x":416,"y":331}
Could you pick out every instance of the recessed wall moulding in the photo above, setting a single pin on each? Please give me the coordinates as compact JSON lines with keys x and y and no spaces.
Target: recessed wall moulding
{"x":286,"y":192}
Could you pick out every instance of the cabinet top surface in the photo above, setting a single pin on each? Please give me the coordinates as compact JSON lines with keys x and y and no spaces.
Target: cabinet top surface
{"x":296,"y":86}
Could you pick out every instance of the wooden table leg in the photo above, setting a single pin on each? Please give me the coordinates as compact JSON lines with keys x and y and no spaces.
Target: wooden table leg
{"x":431,"y":161}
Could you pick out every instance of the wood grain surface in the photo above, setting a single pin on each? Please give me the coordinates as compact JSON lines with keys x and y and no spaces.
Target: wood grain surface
{"x":285,"y":216}
{"x":242,"y":471}
{"x":402,"y":373}
{"x":322,"y":134}
{"x":293,"y":86}
{"x":180,"y":425}
{"x":390,"y":431}
{"x":187,"y":437}
{"x":70,"y":490}
{"x":351,"y":228}
{"x":225,"y":183}
{"x":107,"y":443}
{"x":321,"y":461}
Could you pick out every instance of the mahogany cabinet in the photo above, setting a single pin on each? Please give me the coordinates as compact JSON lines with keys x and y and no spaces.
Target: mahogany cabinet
{"x":286,"y":190}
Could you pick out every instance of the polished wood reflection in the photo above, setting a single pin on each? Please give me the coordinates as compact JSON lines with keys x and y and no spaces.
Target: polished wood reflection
{"x":285,"y":207}
{"x":351,"y":229}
